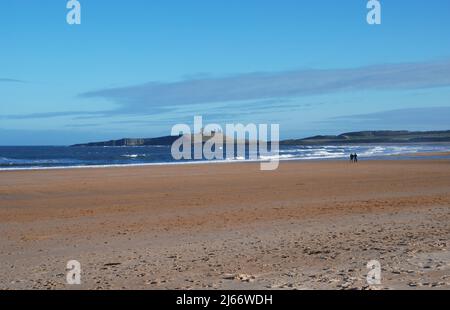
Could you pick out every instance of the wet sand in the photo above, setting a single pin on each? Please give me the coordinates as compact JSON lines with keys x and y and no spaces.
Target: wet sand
{"x":308,"y":225}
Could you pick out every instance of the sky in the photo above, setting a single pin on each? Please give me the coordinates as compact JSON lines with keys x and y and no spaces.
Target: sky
{"x":136,"y":68}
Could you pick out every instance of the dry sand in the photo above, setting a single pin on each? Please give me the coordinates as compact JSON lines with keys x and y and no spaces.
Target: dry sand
{"x":307,"y":225}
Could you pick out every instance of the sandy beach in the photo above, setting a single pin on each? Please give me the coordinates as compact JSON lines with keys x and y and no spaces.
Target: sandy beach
{"x":307,"y":225}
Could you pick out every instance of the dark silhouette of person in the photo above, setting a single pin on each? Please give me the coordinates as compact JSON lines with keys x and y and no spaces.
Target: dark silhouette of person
{"x":351,"y":157}
{"x":355,"y":158}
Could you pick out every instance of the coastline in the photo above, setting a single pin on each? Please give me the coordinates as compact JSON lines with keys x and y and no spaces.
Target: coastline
{"x":307,"y":225}
{"x":406,"y":156}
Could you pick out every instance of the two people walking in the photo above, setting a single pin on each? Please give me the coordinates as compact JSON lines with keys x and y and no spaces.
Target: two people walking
{"x":354,"y":158}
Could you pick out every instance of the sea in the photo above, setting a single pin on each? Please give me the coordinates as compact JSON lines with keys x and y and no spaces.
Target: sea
{"x":60,"y":157}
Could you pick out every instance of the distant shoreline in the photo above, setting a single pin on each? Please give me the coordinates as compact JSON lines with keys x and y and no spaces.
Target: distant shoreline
{"x":407,"y":156}
{"x":359,"y":137}
{"x":316,"y":145}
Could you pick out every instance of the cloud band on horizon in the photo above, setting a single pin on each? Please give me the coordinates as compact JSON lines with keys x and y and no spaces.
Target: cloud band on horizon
{"x":264,"y":85}
{"x":256,"y":89}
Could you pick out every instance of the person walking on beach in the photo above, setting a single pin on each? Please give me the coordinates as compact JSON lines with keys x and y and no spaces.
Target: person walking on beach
{"x":354,"y":158}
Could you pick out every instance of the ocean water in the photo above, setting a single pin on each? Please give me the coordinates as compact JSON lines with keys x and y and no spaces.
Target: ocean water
{"x":41,"y":157}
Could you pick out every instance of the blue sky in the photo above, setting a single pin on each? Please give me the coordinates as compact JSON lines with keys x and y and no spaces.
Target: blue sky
{"x":135,"y":68}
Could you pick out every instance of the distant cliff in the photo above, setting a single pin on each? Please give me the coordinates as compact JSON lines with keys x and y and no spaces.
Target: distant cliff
{"x":168,"y":140}
{"x":360,"y":137}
